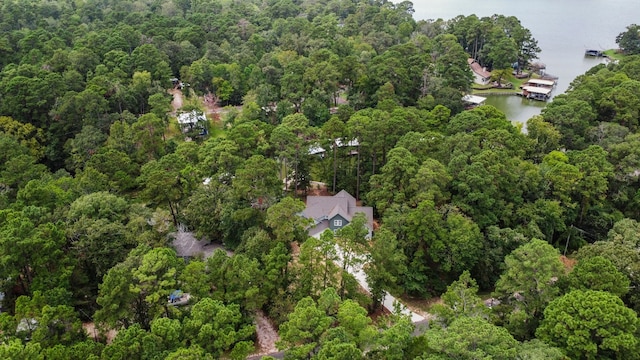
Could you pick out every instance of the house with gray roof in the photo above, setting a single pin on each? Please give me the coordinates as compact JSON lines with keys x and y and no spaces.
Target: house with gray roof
{"x":187,"y":246}
{"x":334,"y":212}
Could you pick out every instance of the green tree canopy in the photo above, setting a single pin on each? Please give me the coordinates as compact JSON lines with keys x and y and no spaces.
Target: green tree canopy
{"x":590,"y":324}
{"x":527,"y":285}
{"x":219,"y":333}
{"x":469,"y":338}
{"x":629,"y":40}
{"x":598,"y":273}
{"x":461,"y":299}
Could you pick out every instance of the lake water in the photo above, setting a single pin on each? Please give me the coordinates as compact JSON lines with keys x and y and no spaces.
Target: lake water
{"x":563,"y":28}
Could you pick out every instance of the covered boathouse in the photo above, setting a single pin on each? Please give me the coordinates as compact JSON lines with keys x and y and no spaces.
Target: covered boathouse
{"x":544,"y":83}
{"x":536,"y":93}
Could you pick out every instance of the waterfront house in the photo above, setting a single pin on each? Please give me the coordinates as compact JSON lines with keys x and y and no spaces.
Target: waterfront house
{"x":481,"y":75}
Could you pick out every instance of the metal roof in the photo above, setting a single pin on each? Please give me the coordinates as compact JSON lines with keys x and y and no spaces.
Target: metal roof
{"x":537,"y":90}
{"x":473,"y":99}
{"x":541,"y":82}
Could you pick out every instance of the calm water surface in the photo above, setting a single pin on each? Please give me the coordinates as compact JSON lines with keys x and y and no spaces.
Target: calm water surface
{"x":563,"y":28}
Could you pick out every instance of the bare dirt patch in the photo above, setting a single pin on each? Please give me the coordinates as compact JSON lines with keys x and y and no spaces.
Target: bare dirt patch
{"x":94,"y":333}
{"x":295,"y":249}
{"x":420,"y":306}
{"x":317,"y":188}
{"x":212,"y":108}
{"x":379,"y":314}
{"x":567,"y":262}
{"x":177,"y":101}
{"x":266,"y":334}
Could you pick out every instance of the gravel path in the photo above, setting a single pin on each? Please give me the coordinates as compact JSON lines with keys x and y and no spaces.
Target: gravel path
{"x":266,"y":334}
{"x":176,"y":103}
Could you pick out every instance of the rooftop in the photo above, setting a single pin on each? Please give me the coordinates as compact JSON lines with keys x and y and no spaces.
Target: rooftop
{"x":478,"y":69}
{"x":474,"y":99}
{"x":541,"y":82}
{"x":537,"y":90}
{"x":192,"y":117}
{"x":321,"y":208}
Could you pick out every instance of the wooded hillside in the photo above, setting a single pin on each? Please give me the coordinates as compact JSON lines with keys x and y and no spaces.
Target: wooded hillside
{"x":97,"y":179}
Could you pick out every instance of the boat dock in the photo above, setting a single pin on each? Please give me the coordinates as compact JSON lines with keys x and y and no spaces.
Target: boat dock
{"x":537,"y":89}
{"x":594,"y":53}
{"x":543,"y":83}
{"x":536,"y":93}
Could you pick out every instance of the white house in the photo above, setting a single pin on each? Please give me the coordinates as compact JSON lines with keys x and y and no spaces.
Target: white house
{"x":193,"y":120}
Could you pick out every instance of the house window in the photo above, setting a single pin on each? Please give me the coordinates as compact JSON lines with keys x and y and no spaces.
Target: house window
{"x":337,"y":223}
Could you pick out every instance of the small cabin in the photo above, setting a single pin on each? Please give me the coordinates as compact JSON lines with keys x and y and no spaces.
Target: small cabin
{"x":481,"y":75}
{"x":193,"y":120}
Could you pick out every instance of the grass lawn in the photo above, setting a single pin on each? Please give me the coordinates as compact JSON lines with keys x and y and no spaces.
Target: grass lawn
{"x":216,"y":129}
{"x":173,"y":130}
{"x":614,"y":54}
{"x":421,"y":305}
{"x":484,"y":89}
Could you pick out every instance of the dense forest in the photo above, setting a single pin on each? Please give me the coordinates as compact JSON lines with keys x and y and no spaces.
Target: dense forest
{"x":97,"y":178}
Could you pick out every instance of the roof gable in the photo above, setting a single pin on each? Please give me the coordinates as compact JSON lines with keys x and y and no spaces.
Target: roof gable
{"x":478,"y":69}
{"x":321,"y":208}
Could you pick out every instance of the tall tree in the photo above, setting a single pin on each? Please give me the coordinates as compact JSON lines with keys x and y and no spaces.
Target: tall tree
{"x":318,"y":265}
{"x":629,"y":40}
{"x":136,"y":290}
{"x":527,"y":285}
{"x":156,"y":278}
{"x":351,"y":241}
{"x":33,"y":254}
{"x":439,"y":242}
{"x":97,"y":231}
{"x":451,"y":63}
{"x":595,"y":172}
{"x":58,"y":325}
{"x":590,"y":325}
{"x":461,"y":299}
{"x":235,"y":280}
{"x":148,"y":134}
{"x":332,"y":132}
{"x":291,"y":138}
{"x":256,"y":182}
{"x":357,"y":127}
{"x":393,"y":184}
{"x":470,"y":338}
{"x":300,"y":333}
{"x":285,"y":220}
{"x":220,"y":333}
{"x":598,"y":273}
{"x":501,"y":51}
{"x":386,"y":263}
{"x":165,"y":181}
